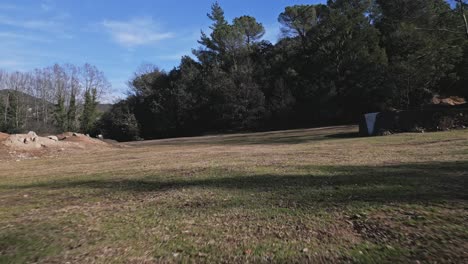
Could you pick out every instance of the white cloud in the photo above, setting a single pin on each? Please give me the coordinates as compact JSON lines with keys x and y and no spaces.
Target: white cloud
{"x":47,"y":25}
{"x":17,"y":36}
{"x":135,"y":32}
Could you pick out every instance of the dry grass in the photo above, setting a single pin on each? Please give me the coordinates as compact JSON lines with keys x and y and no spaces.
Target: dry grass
{"x":318,"y":195}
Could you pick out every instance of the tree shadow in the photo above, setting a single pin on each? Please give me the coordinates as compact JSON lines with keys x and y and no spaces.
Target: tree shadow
{"x":420,"y":182}
{"x":261,"y":138}
{"x":344,"y":135}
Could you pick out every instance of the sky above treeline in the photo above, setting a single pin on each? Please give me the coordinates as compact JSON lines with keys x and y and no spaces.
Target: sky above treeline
{"x":116,"y":36}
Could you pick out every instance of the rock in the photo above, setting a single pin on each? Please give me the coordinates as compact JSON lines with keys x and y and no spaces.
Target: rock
{"x":101,"y":137}
{"x":450,"y":101}
{"x":384,"y":133}
{"x":54,"y":138}
{"x":31,"y":134}
{"x":417,"y":129}
{"x":75,"y":134}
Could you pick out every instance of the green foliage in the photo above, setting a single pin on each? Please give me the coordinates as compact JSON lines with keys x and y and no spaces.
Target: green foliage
{"x":422,"y":48}
{"x":298,"y":20}
{"x":251,"y":30}
{"x":120,"y":123}
{"x":60,"y":114}
{"x":335,"y":62}
{"x":88,"y":117}
{"x":2,"y":112}
{"x":71,"y":113}
{"x":12,"y":121}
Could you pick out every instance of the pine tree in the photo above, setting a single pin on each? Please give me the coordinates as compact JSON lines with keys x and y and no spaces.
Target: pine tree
{"x":88,"y":118}
{"x":71,"y":113}
{"x":60,"y":113}
{"x":2,"y":109}
{"x":11,"y":114}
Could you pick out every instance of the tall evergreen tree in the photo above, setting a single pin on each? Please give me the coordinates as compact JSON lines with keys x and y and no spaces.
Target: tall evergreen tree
{"x":71,"y":113}
{"x":88,"y":117}
{"x":60,"y":113}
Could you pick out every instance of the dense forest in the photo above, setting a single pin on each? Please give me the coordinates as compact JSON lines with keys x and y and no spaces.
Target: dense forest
{"x":332,"y":63}
{"x":51,"y":100}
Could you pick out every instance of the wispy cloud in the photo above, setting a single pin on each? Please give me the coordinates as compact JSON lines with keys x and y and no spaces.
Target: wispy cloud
{"x":21,"y":36}
{"x":9,"y":63}
{"x":172,"y":57}
{"x":47,"y":6}
{"x":49,"y":25}
{"x":28,"y":24}
{"x":135,"y":32}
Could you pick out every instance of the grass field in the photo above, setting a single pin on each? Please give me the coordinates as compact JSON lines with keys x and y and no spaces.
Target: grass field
{"x":318,"y":195}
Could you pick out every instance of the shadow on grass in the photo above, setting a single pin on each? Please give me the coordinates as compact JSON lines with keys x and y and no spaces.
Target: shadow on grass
{"x":262,"y":138}
{"x":344,"y":135}
{"x":423,"y":182}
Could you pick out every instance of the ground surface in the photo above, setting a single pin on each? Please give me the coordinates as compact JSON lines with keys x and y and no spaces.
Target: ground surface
{"x":317,"y":195}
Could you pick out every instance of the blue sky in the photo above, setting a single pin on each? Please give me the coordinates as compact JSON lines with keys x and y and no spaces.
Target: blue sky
{"x":116,"y":36}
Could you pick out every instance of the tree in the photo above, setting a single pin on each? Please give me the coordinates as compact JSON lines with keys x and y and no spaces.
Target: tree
{"x":120,"y":123}
{"x":420,"y":56}
{"x":220,"y":29}
{"x":60,"y":113}
{"x":2,"y":109}
{"x":88,"y":117}
{"x":251,"y":30}
{"x":461,"y":6}
{"x":71,"y":113}
{"x":298,"y":20}
{"x":335,"y":62}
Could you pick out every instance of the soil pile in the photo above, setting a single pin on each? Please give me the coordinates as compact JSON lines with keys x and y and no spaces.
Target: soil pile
{"x":81,"y":139}
{"x":29,"y":141}
{"x":31,"y":145}
{"x":3,"y":136}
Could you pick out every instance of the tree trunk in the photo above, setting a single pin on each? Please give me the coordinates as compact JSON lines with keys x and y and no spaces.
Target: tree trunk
{"x":462,"y":12}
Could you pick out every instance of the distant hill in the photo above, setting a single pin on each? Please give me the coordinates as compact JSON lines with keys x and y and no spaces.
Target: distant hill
{"x":104,"y":108}
{"x":24,"y":96}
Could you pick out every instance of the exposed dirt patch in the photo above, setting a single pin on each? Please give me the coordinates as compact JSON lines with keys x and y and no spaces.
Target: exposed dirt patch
{"x":82,"y":139}
{"x":3,"y":136}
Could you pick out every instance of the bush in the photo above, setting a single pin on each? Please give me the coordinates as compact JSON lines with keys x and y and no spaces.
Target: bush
{"x":119,"y":123}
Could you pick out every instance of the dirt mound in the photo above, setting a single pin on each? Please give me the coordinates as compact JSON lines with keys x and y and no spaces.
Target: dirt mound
{"x":81,"y":138}
{"x":3,"y":136}
{"x":31,"y":145}
{"x":29,"y":141}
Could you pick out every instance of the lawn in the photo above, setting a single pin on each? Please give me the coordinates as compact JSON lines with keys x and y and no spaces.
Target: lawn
{"x":316,"y":195}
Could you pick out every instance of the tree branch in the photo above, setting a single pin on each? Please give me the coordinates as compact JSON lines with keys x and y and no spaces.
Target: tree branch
{"x":439,"y":29}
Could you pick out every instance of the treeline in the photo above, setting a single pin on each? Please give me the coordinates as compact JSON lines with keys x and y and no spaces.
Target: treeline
{"x":333,"y":63}
{"x":51,"y":100}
